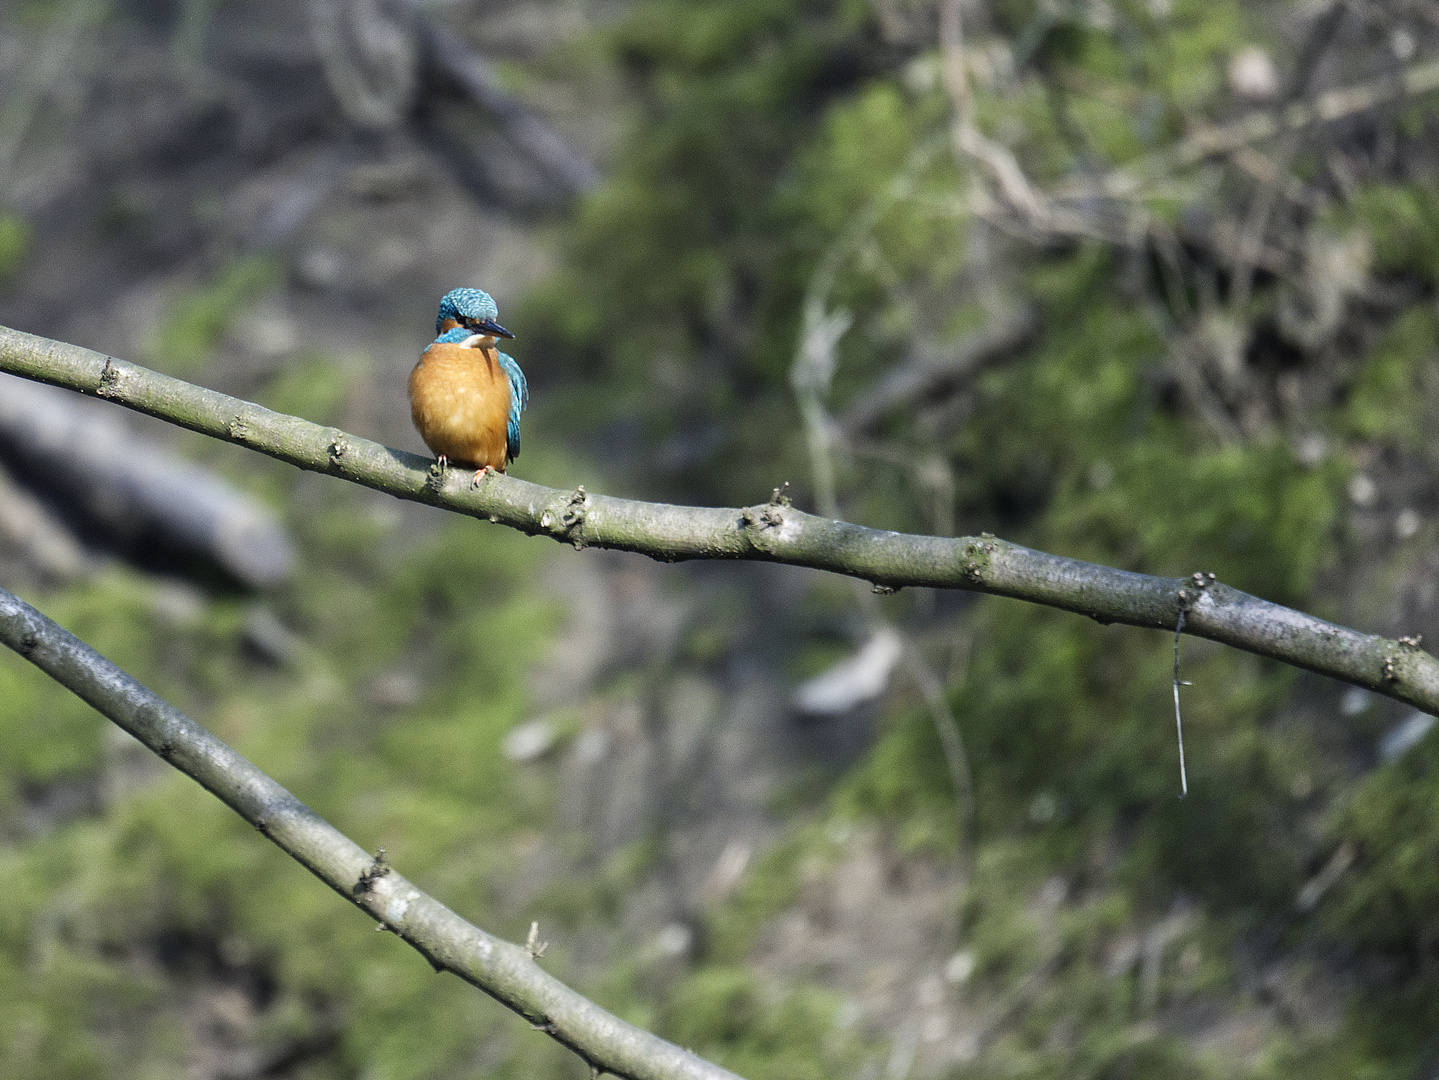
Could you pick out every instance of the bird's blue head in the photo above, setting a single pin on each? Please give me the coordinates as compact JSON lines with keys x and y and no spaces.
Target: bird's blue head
{"x":471,"y":310}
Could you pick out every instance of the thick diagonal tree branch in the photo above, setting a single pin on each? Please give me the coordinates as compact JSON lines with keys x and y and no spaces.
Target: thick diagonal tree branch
{"x":505,"y":971}
{"x":773,"y":532}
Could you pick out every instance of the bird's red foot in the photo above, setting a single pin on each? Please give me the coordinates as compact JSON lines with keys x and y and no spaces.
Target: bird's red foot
{"x":442,"y":461}
{"x":474,"y":483}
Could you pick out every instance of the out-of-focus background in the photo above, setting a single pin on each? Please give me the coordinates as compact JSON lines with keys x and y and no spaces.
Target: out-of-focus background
{"x":1147,"y":282}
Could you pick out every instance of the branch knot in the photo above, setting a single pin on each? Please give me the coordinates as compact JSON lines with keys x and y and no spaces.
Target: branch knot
{"x":533,"y":945}
{"x":768,"y":516}
{"x":435,"y":476}
{"x":109,"y":381}
{"x":372,"y":873}
{"x":571,"y":516}
{"x":977,"y":554}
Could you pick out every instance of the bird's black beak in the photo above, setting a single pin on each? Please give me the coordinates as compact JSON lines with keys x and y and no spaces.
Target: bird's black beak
{"x":489,"y":326}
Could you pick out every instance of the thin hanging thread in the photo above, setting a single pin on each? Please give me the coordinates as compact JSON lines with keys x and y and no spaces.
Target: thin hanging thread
{"x":1178,"y":722}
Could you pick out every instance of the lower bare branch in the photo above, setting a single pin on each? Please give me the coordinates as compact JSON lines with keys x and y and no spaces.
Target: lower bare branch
{"x":505,"y":971}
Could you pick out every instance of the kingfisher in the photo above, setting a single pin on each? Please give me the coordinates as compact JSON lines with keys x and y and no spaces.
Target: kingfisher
{"x":466,"y":396}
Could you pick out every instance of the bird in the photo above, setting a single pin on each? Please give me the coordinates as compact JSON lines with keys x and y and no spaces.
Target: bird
{"x":466,"y":396}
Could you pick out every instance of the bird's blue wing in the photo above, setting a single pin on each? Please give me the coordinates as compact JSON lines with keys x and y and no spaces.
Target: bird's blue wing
{"x":519,"y":398}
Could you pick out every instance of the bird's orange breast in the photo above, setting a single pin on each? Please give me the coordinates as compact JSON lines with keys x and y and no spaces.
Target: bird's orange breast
{"x":460,"y":402}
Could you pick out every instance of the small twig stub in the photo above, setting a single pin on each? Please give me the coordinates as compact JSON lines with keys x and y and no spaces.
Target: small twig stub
{"x":533,"y":944}
{"x":1178,"y":720}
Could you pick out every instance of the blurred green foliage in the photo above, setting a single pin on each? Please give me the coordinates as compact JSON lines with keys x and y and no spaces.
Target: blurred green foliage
{"x":1394,"y":395}
{"x":198,"y":320}
{"x":1402,"y":220}
{"x":756,"y":1030}
{"x":16,"y":236}
{"x":313,"y":385}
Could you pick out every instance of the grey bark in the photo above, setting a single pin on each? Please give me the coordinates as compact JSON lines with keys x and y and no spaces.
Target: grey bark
{"x":503,"y":970}
{"x":774,"y":532}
